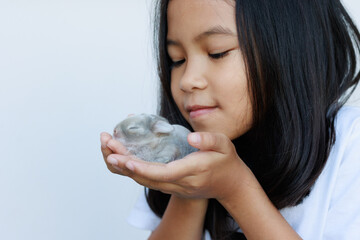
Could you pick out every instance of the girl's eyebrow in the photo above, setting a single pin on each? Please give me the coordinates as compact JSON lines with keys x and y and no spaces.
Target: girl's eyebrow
{"x":217,"y":30}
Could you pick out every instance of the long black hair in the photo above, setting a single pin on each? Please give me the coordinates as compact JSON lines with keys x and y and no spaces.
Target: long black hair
{"x":300,"y":59}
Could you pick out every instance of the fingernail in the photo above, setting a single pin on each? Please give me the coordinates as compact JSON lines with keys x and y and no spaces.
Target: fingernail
{"x":117,"y":168}
{"x":112,"y":161}
{"x":109,"y":145}
{"x":195,"y":138}
{"x":129,"y":165}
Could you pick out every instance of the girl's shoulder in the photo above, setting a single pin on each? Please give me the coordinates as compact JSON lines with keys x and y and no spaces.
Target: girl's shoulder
{"x":347,"y":142}
{"x":332,"y":207}
{"x":347,"y":125}
{"x":343,"y":194}
{"x":348,"y":118}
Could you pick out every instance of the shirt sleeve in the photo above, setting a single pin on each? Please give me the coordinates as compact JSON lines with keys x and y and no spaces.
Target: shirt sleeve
{"x":141,"y":216}
{"x":343,"y":220}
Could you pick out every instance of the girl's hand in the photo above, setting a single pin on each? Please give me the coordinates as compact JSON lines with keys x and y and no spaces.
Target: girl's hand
{"x":213,"y":172}
{"x":105,"y":138}
{"x":216,"y":171}
{"x":115,"y":148}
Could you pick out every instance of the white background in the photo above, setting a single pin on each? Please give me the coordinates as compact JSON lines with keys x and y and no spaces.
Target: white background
{"x":69,"y":70}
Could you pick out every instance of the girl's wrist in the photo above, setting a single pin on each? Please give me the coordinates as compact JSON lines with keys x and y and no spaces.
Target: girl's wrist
{"x":254,"y":212}
{"x":241,"y":181}
{"x":191,"y":203}
{"x":245,"y":197}
{"x":183,"y":219}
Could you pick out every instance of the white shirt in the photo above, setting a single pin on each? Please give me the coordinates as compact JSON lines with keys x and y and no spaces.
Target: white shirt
{"x":332,"y":209}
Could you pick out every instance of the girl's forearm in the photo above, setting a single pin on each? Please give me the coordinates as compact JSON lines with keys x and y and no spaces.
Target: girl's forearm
{"x":183,"y":219}
{"x":255,"y":214}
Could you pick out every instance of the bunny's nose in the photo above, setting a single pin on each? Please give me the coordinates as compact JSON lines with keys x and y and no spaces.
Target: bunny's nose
{"x":117,"y":133}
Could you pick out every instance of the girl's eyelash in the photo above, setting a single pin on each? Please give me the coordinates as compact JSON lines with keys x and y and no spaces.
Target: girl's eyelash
{"x":213,"y":56}
{"x":177,"y":63}
{"x":219,"y":55}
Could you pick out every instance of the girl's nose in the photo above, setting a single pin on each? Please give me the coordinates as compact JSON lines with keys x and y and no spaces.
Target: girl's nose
{"x":193,"y":77}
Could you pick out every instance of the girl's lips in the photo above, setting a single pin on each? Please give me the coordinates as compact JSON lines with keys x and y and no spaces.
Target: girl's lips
{"x":201,"y":111}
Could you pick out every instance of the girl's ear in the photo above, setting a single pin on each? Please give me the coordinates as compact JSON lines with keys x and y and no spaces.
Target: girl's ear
{"x":162,"y":127}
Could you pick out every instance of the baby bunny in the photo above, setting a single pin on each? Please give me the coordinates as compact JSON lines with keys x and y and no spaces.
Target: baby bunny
{"x":152,"y":138}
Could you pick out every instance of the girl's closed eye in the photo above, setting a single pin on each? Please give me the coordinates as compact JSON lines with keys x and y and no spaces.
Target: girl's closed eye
{"x":219,"y":55}
{"x":175,"y":64}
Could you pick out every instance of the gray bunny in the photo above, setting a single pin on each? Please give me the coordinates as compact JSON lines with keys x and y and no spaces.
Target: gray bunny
{"x":152,"y":138}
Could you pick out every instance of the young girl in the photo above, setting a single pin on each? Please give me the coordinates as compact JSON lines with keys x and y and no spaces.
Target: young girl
{"x":262,"y":84}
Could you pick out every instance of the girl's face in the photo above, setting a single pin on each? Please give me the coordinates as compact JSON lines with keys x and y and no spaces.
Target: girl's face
{"x":208,"y":79}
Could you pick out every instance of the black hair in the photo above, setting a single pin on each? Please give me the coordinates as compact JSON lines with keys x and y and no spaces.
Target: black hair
{"x":301,"y":63}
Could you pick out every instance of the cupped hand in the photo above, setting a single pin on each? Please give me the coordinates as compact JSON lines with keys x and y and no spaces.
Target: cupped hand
{"x":110,"y":146}
{"x":212,"y":172}
{"x":116,"y":148}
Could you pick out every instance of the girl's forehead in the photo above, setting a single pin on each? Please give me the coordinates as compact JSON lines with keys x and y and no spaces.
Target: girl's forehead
{"x":182,"y":8}
{"x":193,"y":16}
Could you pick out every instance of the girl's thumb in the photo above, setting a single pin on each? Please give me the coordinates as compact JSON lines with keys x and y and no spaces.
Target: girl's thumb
{"x":206,"y":141}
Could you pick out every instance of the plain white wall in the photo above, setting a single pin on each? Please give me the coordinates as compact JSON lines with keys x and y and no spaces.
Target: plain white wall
{"x":70,"y":69}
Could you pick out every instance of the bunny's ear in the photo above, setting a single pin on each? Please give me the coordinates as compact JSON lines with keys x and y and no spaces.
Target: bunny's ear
{"x":162,"y":127}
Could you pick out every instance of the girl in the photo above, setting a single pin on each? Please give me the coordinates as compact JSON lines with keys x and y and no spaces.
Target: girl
{"x":262,"y":83}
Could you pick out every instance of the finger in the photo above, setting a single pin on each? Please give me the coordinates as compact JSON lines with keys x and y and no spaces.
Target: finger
{"x":104,"y":139}
{"x":165,"y":187}
{"x":119,"y":167}
{"x":116,"y":170}
{"x":117,"y":147}
{"x":207,"y":141}
{"x":160,"y":172}
{"x":119,"y":160}
{"x":120,"y":171}
{"x":179,"y":189}
{"x":116,"y":166}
